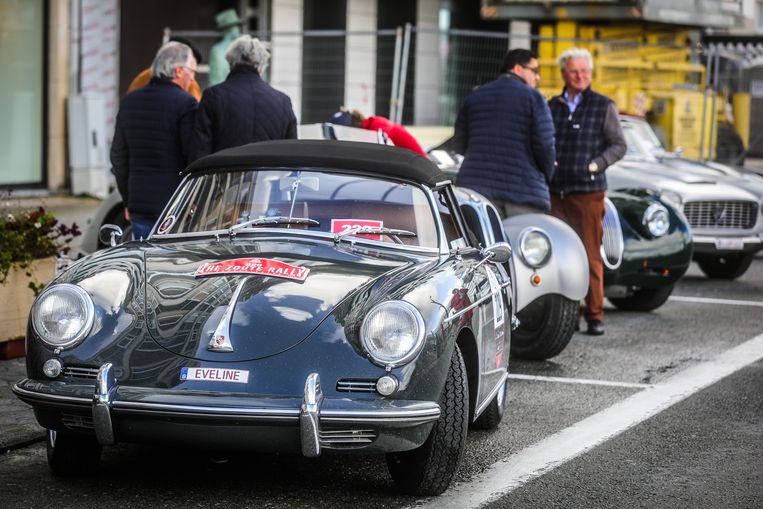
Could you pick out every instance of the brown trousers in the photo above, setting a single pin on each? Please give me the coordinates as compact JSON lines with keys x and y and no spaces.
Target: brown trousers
{"x":584,"y":212}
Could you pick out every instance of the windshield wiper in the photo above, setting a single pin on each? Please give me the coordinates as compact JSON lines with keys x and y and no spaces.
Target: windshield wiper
{"x":371,"y":230}
{"x":274,"y":220}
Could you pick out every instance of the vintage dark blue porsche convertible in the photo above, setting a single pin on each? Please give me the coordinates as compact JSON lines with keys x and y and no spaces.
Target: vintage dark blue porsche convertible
{"x":303,"y":296}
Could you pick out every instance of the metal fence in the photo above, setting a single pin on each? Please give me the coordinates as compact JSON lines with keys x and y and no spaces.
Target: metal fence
{"x":420,"y":76}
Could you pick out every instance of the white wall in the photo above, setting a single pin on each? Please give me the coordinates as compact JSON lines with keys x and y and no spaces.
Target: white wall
{"x":360,"y":57}
{"x":286,"y":52}
{"x":428,"y":72}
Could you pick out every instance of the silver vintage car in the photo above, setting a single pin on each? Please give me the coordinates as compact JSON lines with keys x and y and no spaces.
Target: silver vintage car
{"x":721,"y":204}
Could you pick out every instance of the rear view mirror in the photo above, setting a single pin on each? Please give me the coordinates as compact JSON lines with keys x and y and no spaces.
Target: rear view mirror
{"x":109,"y":234}
{"x":294,"y":182}
{"x":500,"y":252}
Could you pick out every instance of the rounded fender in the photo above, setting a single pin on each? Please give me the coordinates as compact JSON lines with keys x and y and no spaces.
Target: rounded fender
{"x":566,"y":272}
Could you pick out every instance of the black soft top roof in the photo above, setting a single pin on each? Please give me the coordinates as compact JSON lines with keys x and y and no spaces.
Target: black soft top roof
{"x":349,"y":156}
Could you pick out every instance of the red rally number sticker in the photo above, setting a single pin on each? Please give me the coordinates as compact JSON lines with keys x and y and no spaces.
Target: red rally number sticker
{"x":342,"y":225}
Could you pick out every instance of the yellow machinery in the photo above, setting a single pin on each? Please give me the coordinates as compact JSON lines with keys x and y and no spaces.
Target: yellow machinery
{"x":641,"y":68}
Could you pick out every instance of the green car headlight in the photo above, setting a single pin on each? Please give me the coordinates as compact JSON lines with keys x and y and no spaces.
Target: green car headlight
{"x":63,"y":315}
{"x":392,"y":333}
{"x":534,"y":247}
{"x":672,"y":197}
{"x":656,"y":219}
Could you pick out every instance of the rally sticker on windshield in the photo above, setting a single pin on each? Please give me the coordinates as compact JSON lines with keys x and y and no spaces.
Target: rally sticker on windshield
{"x":259,"y":266}
{"x":343,"y":225}
{"x":240,"y":376}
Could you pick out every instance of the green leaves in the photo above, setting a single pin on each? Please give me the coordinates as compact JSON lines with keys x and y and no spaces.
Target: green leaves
{"x":27,"y":235}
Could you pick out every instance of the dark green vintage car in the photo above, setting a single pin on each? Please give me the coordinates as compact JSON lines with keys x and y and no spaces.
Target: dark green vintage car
{"x":300,"y":296}
{"x":647,"y":247}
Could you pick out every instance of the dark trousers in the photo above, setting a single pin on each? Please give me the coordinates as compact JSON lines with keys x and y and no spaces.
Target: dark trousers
{"x":584,"y":212}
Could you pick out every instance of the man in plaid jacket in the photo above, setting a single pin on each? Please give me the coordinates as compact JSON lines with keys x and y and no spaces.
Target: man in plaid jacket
{"x":588,"y":140}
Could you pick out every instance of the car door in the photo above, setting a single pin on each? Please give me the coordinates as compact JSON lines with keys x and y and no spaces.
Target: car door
{"x":489,"y":282}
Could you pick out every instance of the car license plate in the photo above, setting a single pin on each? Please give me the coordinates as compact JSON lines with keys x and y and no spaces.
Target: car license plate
{"x":215,"y":375}
{"x":729,"y":244}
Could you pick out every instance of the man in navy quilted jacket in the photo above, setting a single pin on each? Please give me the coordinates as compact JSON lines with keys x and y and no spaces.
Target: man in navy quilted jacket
{"x":153,"y":135}
{"x":243,"y":108}
{"x":588,"y":139}
{"x":505,"y":132}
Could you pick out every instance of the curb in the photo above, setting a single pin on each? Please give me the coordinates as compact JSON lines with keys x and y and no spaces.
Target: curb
{"x":21,"y":436}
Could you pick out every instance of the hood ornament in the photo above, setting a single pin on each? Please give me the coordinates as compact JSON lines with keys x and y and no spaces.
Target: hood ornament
{"x":220,"y":341}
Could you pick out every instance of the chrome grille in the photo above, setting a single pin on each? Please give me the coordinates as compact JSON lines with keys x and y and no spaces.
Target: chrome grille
{"x":720,"y":214}
{"x":77,"y":421}
{"x":346,"y":437}
{"x":81,"y":372}
{"x":355,"y":385}
{"x":612,"y":244}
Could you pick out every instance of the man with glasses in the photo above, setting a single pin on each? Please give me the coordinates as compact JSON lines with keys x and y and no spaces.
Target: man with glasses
{"x":505,"y":132}
{"x":153,"y":137}
{"x":588,"y":140}
{"x":144,"y":77}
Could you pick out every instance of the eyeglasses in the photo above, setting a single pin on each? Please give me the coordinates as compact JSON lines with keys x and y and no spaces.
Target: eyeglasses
{"x":193,"y":71}
{"x":535,"y":70}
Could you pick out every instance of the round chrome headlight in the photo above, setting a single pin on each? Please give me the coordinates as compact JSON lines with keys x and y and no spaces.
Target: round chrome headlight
{"x":534,"y":247}
{"x":392,"y":333}
{"x":63,"y":315}
{"x":656,"y":219}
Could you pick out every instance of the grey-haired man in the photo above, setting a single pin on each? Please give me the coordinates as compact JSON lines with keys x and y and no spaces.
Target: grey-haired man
{"x":243,"y":108}
{"x":153,"y":135}
{"x":588,"y":139}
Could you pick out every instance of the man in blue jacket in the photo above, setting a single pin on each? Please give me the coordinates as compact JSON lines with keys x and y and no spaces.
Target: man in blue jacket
{"x":505,"y":132}
{"x":153,"y":135}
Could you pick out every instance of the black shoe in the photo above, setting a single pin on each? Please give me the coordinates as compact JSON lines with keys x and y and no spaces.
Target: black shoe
{"x":595,"y":328}
{"x":577,"y":326}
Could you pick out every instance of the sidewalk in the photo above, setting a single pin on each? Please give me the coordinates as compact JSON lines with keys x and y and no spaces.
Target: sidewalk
{"x":18,"y":426}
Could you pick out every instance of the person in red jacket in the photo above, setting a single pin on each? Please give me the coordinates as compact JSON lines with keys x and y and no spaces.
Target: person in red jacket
{"x":396,"y":132}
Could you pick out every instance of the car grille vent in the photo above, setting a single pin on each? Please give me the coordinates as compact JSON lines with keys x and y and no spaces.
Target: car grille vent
{"x":346,"y":438}
{"x":81,"y":372}
{"x":612,"y":244}
{"x":355,"y":385}
{"x":721,"y":214}
{"x":74,"y":421}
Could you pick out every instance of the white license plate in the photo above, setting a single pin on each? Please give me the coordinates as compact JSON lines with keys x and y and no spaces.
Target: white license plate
{"x":729,"y":244}
{"x":215,"y":375}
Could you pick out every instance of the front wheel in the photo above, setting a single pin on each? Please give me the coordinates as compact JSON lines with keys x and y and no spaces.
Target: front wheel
{"x":72,"y":455}
{"x":546,"y":326}
{"x":429,"y":469}
{"x":729,"y":266}
{"x":643,"y":299}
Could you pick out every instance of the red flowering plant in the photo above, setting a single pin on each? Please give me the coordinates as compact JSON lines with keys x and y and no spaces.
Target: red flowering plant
{"x":28,"y":235}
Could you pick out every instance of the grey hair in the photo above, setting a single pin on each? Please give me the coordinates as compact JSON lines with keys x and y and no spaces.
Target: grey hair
{"x":248,"y":50}
{"x":169,"y":56}
{"x":571,"y":53}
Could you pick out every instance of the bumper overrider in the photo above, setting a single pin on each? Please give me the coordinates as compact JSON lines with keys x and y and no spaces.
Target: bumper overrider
{"x":319,"y":422}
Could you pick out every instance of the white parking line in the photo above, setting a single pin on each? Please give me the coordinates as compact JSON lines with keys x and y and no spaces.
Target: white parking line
{"x":582,"y":381}
{"x":703,"y":300}
{"x":513,"y":471}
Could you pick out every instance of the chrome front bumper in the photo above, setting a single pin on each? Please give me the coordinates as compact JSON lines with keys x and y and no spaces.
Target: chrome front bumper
{"x":313,"y":413}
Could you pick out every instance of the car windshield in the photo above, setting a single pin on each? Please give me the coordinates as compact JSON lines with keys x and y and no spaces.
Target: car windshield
{"x":240,"y":201}
{"x":638,"y":148}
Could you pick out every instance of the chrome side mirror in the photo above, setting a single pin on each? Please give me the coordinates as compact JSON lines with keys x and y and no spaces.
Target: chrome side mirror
{"x":500,"y":252}
{"x":109,"y":233}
